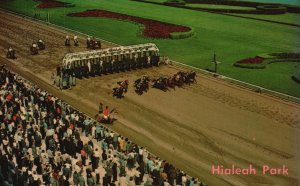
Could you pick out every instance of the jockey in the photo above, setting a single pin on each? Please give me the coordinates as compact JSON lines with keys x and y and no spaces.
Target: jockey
{"x":106,"y":113}
{"x":75,"y":38}
{"x":10,"y":49}
{"x":67,"y":37}
{"x":123,"y":83}
{"x":34,"y":45}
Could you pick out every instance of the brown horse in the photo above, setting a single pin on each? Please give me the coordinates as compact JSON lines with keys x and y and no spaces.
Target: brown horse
{"x":141,"y":85}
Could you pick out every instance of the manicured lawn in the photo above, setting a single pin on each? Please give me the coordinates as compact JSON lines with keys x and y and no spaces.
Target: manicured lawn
{"x":212,"y":6}
{"x":275,"y":75}
{"x":232,"y":38}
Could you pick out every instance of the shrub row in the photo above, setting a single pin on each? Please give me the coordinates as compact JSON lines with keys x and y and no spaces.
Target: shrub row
{"x":271,"y":9}
{"x":174,"y":2}
{"x":296,"y":77}
{"x":293,"y":9}
{"x":182,"y":35}
{"x":250,"y":66}
{"x":261,"y":8}
{"x":286,"y":55}
{"x":258,"y":10}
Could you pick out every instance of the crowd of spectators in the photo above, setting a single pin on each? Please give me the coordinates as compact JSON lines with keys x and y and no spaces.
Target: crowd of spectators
{"x":42,"y":143}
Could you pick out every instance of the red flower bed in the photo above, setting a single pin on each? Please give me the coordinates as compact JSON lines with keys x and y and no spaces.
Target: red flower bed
{"x":153,"y":29}
{"x":252,"y":60}
{"x":50,"y":4}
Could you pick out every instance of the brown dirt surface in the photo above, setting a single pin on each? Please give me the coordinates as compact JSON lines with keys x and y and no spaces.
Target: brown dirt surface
{"x":194,"y":127}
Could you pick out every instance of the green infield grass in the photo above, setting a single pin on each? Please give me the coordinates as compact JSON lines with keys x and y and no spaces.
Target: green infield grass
{"x":232,"y":38}
{"x":275,"y":75}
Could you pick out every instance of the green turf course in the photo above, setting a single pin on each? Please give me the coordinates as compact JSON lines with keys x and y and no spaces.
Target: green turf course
{"x":277,"y":74}
{"x":232,"y":38}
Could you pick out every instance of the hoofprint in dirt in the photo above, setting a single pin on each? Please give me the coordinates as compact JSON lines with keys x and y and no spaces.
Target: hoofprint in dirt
{"x":194,"y":127}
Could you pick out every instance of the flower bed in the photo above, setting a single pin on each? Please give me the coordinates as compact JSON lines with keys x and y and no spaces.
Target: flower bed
{"x":260,"y":61}
{"x":152,"y":28}
{"x":253,"y":60}
{"x":51,"y":4}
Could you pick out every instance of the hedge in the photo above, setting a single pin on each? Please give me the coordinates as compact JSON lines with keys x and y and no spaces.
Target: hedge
{"x":293,"y":9}
{"x":174,"y":2}
{"x":286,"y":55}
{"x":296,"y":77}
{"x":262,"y":7}
{"x":182,"y":35}
{"x":258,"y":10}
{"x":250,"y":66}
{"x":267,"y":56}
{"x":272,"y":9}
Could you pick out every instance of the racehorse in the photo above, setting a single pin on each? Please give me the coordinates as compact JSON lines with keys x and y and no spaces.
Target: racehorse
{"x":179,"y":78}
{"x":160,"y":83}
{"x":67,"y":41}
{"x":11,"y":53}
{"x":118,"y":92}
{"x":191,"y":77}
{"x":124,"y":84}
{"x":106,"y":119}
{"x":34,"y":49}
{"x":141,"y":85}
{"x":75,"y":40}
{"x":95,"y":44}
{"x":171,"y":82}
{"x":41,"y":45}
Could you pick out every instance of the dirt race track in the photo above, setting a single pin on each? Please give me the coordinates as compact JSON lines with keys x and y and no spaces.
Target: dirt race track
{"x":208,"y":123}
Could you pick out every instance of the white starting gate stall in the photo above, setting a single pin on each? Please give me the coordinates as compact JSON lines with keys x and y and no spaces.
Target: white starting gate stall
{"x":104,"y":61}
